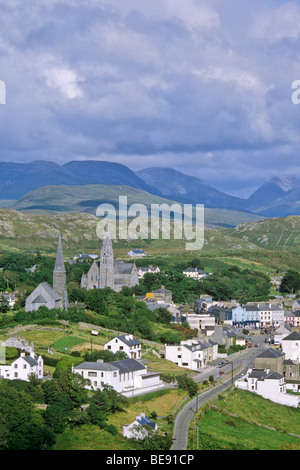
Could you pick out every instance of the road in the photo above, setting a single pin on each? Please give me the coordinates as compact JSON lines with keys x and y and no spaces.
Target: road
{"x":239,"y":364}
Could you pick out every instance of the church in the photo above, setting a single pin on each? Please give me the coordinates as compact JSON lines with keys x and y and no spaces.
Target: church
{"x":46,"y":296}
{"x":107,"y":272}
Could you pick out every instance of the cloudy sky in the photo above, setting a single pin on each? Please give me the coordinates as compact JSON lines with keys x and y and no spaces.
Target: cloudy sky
{"x":202,"y":86}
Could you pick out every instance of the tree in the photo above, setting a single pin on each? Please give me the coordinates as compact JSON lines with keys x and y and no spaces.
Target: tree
{"x":290,"y":282}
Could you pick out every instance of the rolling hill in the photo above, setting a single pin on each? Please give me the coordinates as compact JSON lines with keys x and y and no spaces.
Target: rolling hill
{"x":87,"y":198}
{"x":271,"y":234}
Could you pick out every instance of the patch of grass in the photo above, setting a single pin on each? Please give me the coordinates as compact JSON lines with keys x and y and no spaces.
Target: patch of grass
{"x":89,"y":437}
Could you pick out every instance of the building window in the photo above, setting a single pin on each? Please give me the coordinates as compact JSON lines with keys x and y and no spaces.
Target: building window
{"x":92,"y":374}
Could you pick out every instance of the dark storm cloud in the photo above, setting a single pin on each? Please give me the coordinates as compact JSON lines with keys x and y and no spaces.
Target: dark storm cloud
{"x":201,"y":86}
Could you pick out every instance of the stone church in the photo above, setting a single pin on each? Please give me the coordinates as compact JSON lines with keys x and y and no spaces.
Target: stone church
{"x":46,"y":296}
{"x":107,"y":272}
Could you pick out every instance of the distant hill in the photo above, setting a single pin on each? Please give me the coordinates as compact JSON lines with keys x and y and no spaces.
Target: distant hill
{"x":87,"y":198}
{"x":180,"y":187}
{"x":22,"y":232}
{"x":277,"y":197}
{"x":17,"y":179}
{"x":271,"y":234}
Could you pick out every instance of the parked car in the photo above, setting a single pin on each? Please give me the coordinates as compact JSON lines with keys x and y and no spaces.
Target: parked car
{"x":256,"y":345}
{"x":221,"y":372}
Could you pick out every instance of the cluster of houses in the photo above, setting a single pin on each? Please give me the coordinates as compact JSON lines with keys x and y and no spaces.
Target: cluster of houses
{"x":276,"y":371}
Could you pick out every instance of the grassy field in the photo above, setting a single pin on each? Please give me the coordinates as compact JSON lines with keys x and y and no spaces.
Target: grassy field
{"x":241,"y":420}
{"x":89,"y":437}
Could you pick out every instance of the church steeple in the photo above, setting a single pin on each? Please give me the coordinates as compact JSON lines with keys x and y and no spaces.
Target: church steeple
{"x":59,"y":276}
{"x":106,"y":263}
{"x":59,"y":262}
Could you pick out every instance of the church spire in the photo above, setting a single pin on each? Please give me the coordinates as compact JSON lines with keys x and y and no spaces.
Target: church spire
{"x":59,"y":277}
{"x":59,"y":262}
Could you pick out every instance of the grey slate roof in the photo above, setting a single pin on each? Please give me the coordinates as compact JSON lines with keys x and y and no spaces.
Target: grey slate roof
{"x":104,"y":366}
{"x":123,"y":268}
{"x":270,"y":353}
{"x":31,"y":361}
{"x":129,"y":342}
{"x":50,"y":291}
{"x":128,"y":365}
{"x":274,"y":376}
{"x":295,"y":336}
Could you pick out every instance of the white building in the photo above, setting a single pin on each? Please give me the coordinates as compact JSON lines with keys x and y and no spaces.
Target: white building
{"x":23,"y":367}
{"x":270,"y":385}
{"x":126,"y":343}
{"x":149,"y":269}
{"x":291,"y":346}
{"x":137,"y":428}
{"x":128,"y":377}
{"x":271,"y":314}
{"x":201,"y":322}
{"x":192,"y":354}
{"x":137,"y":253}
{"x":194,"y":273}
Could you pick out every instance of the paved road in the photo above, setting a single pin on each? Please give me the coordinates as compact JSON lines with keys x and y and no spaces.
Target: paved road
{"x":241,"y":362}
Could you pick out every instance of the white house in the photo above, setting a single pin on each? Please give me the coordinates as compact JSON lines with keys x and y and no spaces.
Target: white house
{"x":23,"y":367}
{"x":201,"y":322}
{"x":270,"y":385}
{"x":291,"y":346}
{"x":137,"y":429}
{"x":137,"y":253}
{"x":192,"y":354}
{"x":128,"y":376}
{"x":150,"y":269}
{"x":194,"y":273}
{"x":127,"y":343}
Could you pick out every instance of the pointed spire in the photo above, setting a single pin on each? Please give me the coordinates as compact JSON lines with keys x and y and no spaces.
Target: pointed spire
{"x":59,"y":262}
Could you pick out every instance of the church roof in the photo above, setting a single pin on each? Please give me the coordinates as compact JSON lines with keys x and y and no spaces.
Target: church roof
{"x":50,"y":291}
{"x":123,"y":268}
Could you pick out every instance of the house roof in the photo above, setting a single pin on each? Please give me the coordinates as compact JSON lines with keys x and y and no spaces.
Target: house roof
{"x":270,"y":353}
{"x":129,"y":342}
{"x":145,"y":421}
{"x":274,"y":376}
{"x":295,"y":336}
{"x":104,"y":366}
{"x":128,"y":365}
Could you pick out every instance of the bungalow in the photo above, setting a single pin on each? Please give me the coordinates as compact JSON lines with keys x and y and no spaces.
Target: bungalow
{"x":137,"y":253}
{"x":137,"y":429}
{"x":127,"y":343}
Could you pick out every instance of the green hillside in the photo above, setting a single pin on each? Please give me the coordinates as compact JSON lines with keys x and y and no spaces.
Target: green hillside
{"x":86,"y":198}
{"x":270,"y":234}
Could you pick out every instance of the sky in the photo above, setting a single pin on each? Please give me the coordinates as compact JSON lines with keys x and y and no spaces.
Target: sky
{"x":202,"y":86}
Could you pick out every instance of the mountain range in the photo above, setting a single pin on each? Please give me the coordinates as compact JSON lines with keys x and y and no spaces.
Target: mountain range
{"x":279,"y":196}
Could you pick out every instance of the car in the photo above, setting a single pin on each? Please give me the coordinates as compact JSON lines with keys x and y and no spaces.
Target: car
{"x":255,"y":345}
{"x":221,"y":372}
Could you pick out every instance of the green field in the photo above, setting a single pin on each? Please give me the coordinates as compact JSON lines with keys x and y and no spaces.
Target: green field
{"x":241,"y":420}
